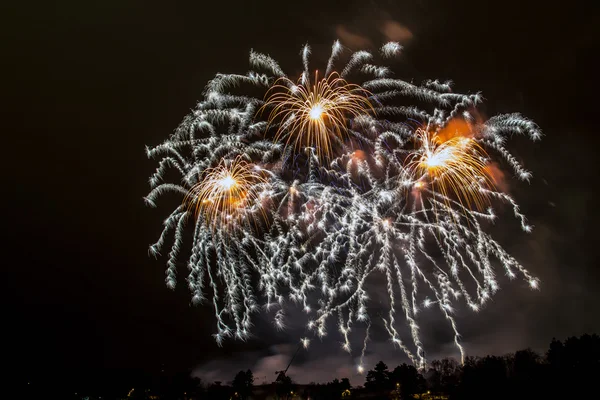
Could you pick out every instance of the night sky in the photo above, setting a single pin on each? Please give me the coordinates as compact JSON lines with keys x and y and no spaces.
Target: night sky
{"x":88,"y":86}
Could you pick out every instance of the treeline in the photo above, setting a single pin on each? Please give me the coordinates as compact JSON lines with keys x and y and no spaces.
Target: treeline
{"x":566,"y":370}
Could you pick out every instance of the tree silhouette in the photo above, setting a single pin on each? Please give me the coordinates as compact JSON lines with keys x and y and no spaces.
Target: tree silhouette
{"x":378,"y":378}
{"x":527,"y":372}
{"x":555,"y":354}
{"x":483,"y":378}
{"x":332,"y":390}
{"x":574,"y":365}
{"x":284,"y":386}
{"x":409,"y":380}
{"x":242,"y":384}
{"x":443,"y":375}
{"x":218,"y":392}
{"x":345,"y":384}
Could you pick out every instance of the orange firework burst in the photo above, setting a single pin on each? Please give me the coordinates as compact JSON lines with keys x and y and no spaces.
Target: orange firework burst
{"x":454,"y":165}
{"x":308,"y":115}
{"x":227,"y":191}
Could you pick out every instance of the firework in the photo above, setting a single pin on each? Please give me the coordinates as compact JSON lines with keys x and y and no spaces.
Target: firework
{"x":455,"y":166}
{"x":309,"y":116}
{"x":227,"y":191}
{"x":356,"y":190}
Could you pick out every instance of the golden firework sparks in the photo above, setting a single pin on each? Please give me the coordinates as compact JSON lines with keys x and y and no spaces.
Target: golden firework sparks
{"x":227,"y":191}
{"x":308,"y":116}
{"x":455,"y":167}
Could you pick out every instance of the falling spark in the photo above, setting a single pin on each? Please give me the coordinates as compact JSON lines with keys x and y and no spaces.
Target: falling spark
{"x":305,"y":342}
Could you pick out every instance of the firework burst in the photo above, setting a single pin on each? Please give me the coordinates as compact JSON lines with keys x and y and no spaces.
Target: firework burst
{"x":456,"y":167}
{"x":315,"y":115}
{"x":353,"y":198}
{"x":227,"y":192}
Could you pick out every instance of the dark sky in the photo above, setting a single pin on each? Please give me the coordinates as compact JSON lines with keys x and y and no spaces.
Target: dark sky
{"x":88,"y":86}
